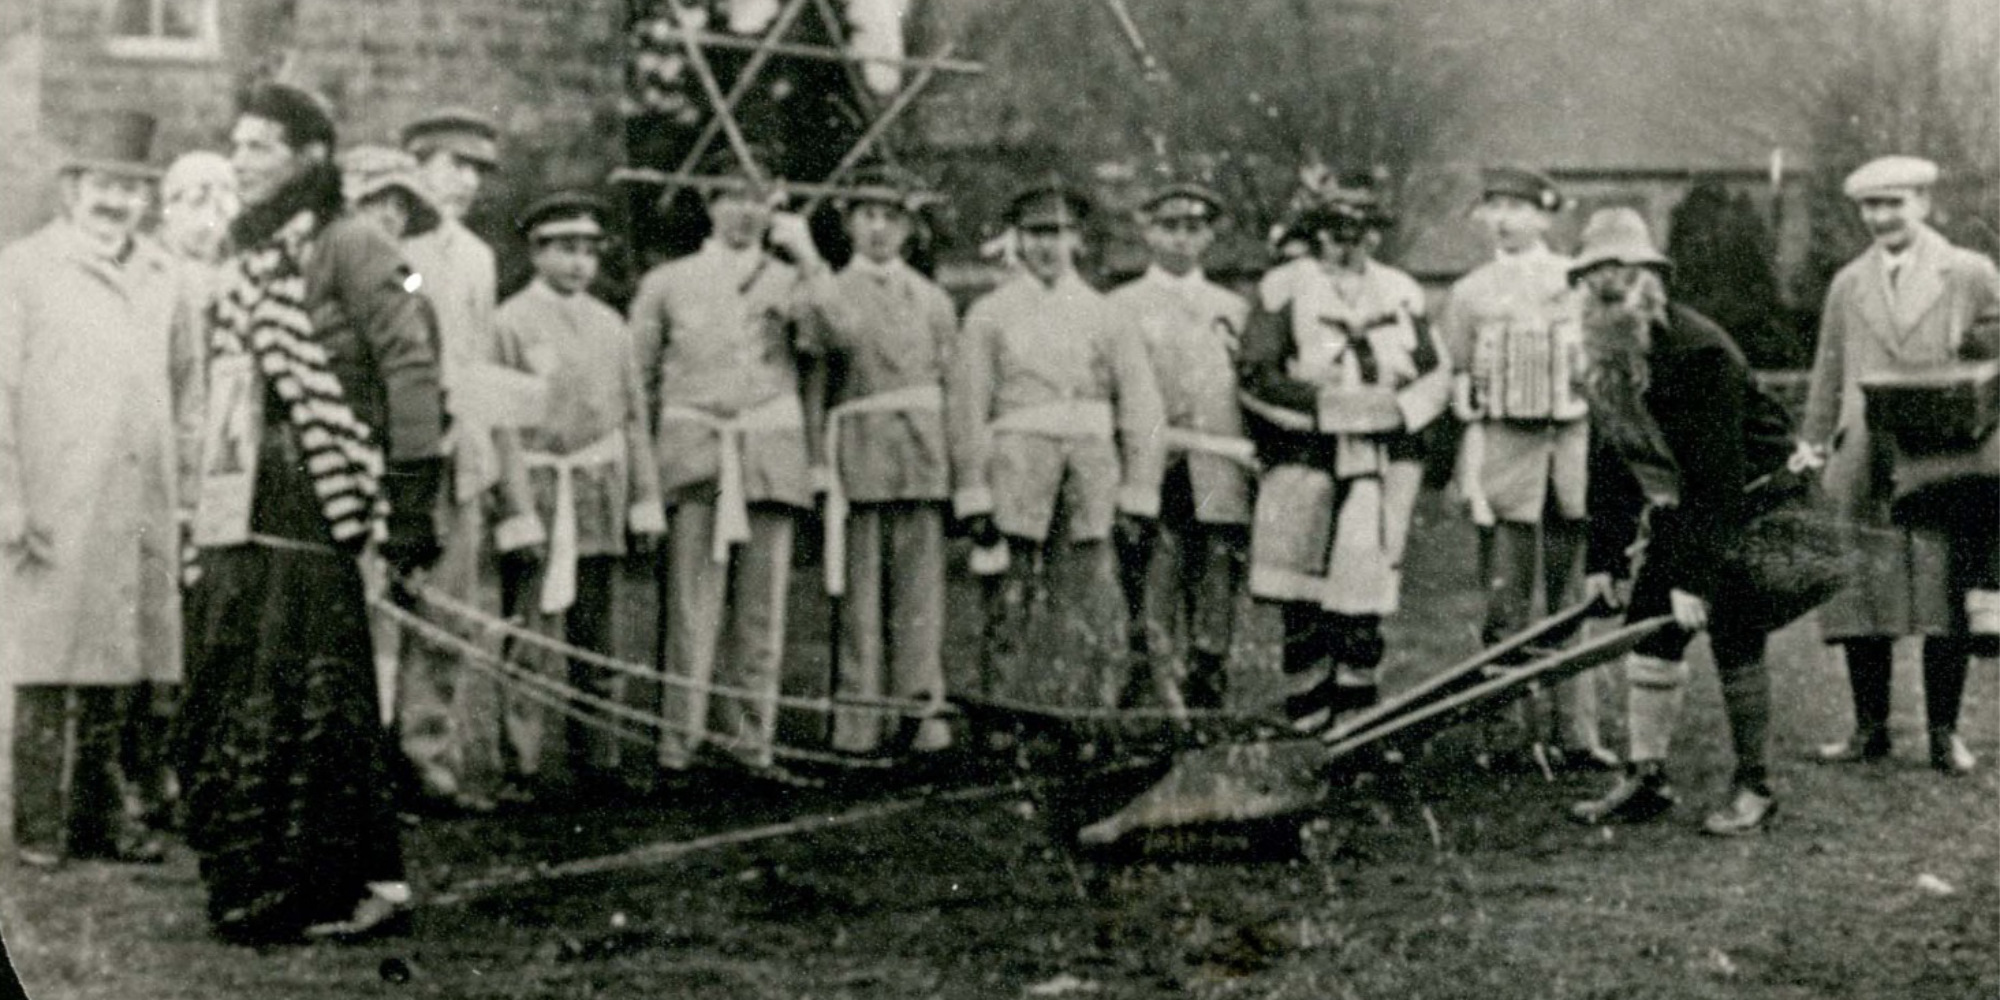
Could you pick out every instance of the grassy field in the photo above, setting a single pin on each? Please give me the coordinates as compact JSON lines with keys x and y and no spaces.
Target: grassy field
{"x":1881,"y":882}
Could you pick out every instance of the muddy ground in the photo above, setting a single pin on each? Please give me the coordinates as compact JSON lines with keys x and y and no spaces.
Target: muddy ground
{"x":1881,"y":882}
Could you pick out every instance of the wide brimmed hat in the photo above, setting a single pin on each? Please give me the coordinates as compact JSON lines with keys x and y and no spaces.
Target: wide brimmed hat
{"x":886,"y":184}
{"x":1182,"y":200}
{"x":116,"y":142}
{"x":1048,"y":200}
{"x":1890,"y":175}
{"x":1618,"y":236}
{"x":366,"y":171}
{"x":1526,"y":183}
{"x":463,"y":132}
{"x":565,"y":213}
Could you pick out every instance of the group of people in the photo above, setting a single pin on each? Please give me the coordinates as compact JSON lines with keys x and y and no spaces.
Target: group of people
{"x":306,"y":379}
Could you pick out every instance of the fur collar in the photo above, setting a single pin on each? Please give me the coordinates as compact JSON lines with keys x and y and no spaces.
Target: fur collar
{"x":317,"y":190}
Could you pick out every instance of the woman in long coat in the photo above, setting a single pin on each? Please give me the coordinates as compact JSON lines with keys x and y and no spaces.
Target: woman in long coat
{"x":286,"y":763}
{"x":1942,"y":305}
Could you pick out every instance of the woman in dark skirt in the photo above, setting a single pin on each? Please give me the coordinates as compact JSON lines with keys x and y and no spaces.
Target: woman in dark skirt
{"x":287,"y":769}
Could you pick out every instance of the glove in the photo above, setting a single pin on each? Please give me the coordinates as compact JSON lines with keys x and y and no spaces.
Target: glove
{"x":1602,"y":589}
{"x":1130,"y":531}
{"x":983,"y":532}
{"x":1690,"y":611}
{"x":412,"y":489}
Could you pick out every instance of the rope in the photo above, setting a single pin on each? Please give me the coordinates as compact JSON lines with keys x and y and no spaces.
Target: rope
{"x":485,"y":622}
{"x":551,"y":688}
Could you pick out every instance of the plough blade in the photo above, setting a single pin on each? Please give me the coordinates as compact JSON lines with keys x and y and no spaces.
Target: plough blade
{"x":1255,"y":781}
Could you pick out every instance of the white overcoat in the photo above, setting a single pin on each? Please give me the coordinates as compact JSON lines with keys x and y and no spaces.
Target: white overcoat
{"x":86,"y":446}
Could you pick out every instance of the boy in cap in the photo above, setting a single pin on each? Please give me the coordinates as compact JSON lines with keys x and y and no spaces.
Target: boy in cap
{"x":887,"y":332}
{"x":1055,"y":402}
{"x":1181,"y":588}
{"x":448,"y":718}
{"x":1339,"y":373}
{"x":720,"y":351}
{"x":1511,"y":330}
{"x":589,"y":462}
{"x":1912,"y":303}
{"x":89,"y":614}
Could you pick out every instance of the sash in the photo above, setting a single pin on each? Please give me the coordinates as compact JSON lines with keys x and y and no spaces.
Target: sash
{"x":1188,"y":440}
{"x":559,"y":577}
{"x":1075,"y":419}
{"x":732,"y":508}
{"x":909,"y":399}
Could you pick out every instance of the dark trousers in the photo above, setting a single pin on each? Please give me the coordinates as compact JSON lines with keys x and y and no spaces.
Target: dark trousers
{"x":1971,"y":520}
{"x":590,"y":750}
{"x":109,"y":727}
{"x":1180,"y":586}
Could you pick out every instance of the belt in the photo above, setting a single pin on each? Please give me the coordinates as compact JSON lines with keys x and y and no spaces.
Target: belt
{"x":1081,"y":419}
{"x":1186,"y":439}
{"x":559,"y":579}
{"x":909,"y":399}
{"x":732,"y":509}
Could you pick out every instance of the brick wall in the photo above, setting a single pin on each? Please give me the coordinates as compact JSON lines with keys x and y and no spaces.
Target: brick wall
{"x":549,"y":71}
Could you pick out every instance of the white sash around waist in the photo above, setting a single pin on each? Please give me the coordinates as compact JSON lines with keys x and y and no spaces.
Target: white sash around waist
{"x":732,"y":508}
{"x":559,"y":577}
{"x":909,"y":399}
{"x":1188,"y":440}
{"x":1083,"y":419}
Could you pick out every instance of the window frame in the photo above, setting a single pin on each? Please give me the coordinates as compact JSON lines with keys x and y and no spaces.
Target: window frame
{"x":205,"y":46}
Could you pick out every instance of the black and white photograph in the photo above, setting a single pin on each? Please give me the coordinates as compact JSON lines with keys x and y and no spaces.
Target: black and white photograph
{"x":938,"y":499}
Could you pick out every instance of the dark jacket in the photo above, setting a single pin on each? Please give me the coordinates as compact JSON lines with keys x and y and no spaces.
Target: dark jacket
{"x":1721,"y":432}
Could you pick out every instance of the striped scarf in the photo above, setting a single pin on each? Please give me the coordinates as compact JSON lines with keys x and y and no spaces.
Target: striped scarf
{"x":261,"y":311}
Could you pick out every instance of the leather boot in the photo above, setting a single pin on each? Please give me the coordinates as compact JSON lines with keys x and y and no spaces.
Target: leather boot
{"x":1868,"y":745}
{"x":1949,"y":755}
{"x":1642,"y":794}
{"x":1749,"y":810}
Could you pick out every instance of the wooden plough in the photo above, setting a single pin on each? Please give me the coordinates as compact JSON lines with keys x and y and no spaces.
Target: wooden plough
{"x":1286,"y":775}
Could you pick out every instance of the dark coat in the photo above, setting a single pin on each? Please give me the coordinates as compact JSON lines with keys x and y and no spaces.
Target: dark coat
{"x":1721,"y":432}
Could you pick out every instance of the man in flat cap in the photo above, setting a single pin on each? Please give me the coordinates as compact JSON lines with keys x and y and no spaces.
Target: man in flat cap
{"x":1056,"y":403}
{"x":720,"y":351}
{"x":1181,"y":585}
{"x":591,"y":470}
{"x":1912,"y":303}
{"x":1339,"y":372}
{"x":447,"y":716}
{"x":88,"y":545}
{"x":1516,"y":350}
{"x":888,"y":333}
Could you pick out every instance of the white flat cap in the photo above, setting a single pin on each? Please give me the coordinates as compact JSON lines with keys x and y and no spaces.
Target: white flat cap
{"x":1890,"y":173}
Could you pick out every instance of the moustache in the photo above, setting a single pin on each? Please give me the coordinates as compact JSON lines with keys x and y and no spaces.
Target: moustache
{"x":111,"y":213}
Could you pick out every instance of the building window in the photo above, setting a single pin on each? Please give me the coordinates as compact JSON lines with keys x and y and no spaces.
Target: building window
{"x":163,"y":29}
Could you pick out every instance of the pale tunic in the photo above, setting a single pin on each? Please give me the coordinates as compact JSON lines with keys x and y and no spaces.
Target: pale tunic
{"x":1191,"y":327}
{"x":1028,"y":346}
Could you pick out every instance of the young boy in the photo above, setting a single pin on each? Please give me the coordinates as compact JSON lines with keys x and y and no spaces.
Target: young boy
{"x":589,"y":465}
{"x":887,"y":332}
{"x":1184,"y":583}
{"x":1054,"y":397}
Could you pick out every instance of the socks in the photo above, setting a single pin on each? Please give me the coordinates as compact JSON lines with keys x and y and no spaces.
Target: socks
{"x":1944,"y":680}
{"x":1655,"y":690}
